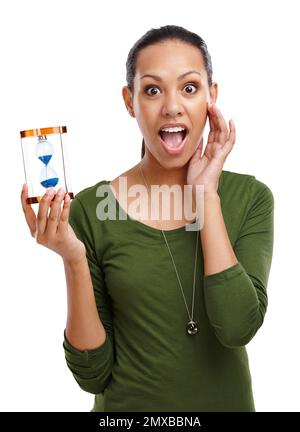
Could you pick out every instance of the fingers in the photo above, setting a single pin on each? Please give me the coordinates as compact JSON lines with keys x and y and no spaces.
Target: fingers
{"x":217,"y":118}
{"x":54,"y":215}
{"x":198,"y":152}
{"x":208,"y":152}
{"x":28,"y":211}
{"x":43,"y":211}
{"x":212,"y":126}
{"x":217,"y":124}
{"x":218,"y":135}
{"x":200,"y":147}
{"x":226,"y":149}
{"x":64,"y":217}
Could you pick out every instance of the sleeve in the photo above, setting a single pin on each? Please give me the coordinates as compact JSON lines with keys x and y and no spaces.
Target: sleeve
{"x":91,"y":368}
{"x":236,"y":298}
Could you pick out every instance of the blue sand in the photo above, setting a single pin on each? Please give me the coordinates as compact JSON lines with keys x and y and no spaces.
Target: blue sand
{"x":45,"y":159}
{"x":51,"y":182}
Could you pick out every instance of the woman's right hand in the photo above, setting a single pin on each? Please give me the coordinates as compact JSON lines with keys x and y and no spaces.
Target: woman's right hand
{"x":53,"y":231}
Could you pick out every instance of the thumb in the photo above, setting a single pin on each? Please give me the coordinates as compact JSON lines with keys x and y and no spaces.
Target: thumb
{"x":198,"y":152}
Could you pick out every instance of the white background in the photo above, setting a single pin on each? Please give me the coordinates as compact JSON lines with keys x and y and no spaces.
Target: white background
{"x":63,"y":63}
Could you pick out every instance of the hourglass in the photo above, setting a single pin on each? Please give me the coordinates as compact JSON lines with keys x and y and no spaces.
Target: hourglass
{"x":44,"y":151}
{"x":45,"y":161}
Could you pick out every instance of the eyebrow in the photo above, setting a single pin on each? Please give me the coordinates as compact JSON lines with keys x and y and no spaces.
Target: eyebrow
{"x":157,"y":78}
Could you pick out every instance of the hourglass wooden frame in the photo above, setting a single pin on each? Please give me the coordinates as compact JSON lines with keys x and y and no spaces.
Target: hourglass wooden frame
{"x":45,"y":161}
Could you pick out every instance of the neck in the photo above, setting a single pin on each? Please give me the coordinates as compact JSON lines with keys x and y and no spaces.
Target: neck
{"x":156,"y":174}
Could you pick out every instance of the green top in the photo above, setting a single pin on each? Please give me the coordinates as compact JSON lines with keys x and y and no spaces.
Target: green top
{"x":148,"y":362}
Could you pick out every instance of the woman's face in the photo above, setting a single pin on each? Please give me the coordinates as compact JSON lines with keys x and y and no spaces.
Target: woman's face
{"x":172,"y":96}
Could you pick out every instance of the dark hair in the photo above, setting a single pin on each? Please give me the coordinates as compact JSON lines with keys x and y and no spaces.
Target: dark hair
{"x":164,"y":33}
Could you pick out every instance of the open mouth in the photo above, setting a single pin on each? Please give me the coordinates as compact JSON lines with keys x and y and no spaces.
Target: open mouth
{"x":173,"y":140}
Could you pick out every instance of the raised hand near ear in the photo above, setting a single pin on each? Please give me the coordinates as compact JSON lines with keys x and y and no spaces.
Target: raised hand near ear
{"x":206,"y":170}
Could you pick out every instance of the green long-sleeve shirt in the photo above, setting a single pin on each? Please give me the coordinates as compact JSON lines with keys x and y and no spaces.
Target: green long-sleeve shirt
{"x":148,"y":362}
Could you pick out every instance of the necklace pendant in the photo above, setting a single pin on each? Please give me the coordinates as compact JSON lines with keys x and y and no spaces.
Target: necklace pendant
{"x":192,"y":328}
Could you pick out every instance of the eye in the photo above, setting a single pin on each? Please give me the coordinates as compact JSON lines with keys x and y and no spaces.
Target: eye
{"x":148,"y":88}
{"x":189,"y":86}
{"x":154,"y":88}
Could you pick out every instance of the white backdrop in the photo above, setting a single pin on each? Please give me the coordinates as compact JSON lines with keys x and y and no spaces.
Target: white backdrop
{"x":63,"y":63}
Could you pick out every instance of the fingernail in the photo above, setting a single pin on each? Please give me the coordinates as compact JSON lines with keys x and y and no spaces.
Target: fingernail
{"x":60,"y":192}
{"x":50,"y":191}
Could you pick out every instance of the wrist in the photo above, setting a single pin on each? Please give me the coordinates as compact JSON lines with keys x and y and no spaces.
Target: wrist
{"x":74,"y":262}
{"x":201,"y":191}
{"x":205,"y":201}
{"x":210,"y":196}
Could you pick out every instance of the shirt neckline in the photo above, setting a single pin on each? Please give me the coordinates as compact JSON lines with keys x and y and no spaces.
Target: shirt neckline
{"x":149,"y":228}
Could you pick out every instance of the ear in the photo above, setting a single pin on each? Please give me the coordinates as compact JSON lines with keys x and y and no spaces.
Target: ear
{"x":127,"y":96}
{"x":213,"y":92}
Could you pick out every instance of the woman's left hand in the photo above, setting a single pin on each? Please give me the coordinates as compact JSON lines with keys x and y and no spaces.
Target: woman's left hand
{"x":206,"y":170}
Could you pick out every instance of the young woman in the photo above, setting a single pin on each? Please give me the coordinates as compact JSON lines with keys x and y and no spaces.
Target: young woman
{"x":159,"y":313}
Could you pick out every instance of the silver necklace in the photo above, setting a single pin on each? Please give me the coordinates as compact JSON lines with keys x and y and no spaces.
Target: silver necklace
{"x":192,"y":327}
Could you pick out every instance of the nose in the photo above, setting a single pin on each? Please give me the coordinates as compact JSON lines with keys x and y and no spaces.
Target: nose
{"x":172,"y":105}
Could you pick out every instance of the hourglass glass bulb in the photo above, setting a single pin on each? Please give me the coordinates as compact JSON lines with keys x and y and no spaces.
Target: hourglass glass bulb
{"x":48,"y":177}
{"x":44,"y":149}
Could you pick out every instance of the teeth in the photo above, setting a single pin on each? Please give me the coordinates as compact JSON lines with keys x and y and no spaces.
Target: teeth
{"x":173,"y":129}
